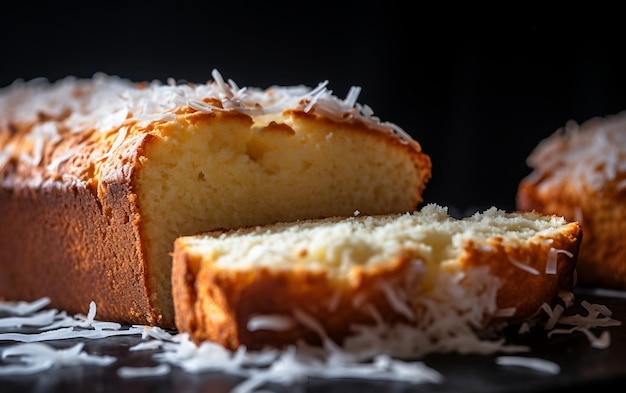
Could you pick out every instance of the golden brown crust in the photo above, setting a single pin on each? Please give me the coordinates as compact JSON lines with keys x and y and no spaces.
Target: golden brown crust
{"x":216,"y":304}
{"x":525,"y":291}
{"x":63,"y":242}
{"x":602,"y":216}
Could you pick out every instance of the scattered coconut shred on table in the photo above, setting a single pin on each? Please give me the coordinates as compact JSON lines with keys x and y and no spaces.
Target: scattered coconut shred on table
{"x":289,"y":366}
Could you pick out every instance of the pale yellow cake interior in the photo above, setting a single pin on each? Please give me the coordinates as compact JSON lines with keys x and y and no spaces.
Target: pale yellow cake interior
{"x":338,"y":245}
{"x":227,"y":174}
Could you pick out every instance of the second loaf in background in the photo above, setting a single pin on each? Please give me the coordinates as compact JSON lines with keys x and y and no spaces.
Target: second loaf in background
{"x":579,"y":172}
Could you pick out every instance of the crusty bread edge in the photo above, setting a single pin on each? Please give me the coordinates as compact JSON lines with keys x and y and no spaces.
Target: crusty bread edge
{"x":215,"y":304}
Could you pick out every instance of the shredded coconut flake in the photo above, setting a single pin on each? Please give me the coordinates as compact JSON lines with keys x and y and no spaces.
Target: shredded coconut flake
{"x":45,"y":356}
{"x":397,"y":301}
{"x":24,"y":308}
{"x":551,"y":263}
{"x":42,"y":318}
{"x":270,"y":322}
{"x":524,"y":266}
{"x":121,"y":135}
{"x":536,"y":364}
{"x":597,"y":316}
{"x":143,"y":372}
{"x":147,"y":345}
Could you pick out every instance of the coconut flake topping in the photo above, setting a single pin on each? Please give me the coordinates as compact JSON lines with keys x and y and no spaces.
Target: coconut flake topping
{"x":107,"y":102}
{"x":591,"y":154}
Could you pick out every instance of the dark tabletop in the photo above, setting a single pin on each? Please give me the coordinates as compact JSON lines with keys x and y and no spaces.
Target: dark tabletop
{"x":582,"y":367}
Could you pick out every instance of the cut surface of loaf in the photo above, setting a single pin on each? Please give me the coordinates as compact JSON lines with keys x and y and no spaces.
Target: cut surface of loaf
{"x":99,"y":176}
{"x":579,"y":172}
{"x":278,"y":284}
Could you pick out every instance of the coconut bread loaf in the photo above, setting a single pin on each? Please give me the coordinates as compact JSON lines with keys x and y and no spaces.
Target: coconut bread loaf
{"x":579,"y":172}
{"x":98,"y":176}
{"x":305,"y":281}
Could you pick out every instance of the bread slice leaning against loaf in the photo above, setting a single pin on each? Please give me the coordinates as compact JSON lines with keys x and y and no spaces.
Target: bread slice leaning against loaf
{"x":313,"y":279}
{"x":98,"y":177}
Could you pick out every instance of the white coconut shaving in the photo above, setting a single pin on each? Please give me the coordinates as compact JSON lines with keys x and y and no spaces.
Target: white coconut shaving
{"x":270,"y":322}
{"x":292,"y":365}
{"x":56,"y":325}
{"x":536,"y":364}
{"x":143,"y":372}
{"x":22,"y":307}
{"x":373,"y":352}
{"x":37,"y":357}
{"x":597,"y":316}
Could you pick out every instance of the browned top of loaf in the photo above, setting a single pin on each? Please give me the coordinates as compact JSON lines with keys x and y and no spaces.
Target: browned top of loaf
{"x":70,"y":128}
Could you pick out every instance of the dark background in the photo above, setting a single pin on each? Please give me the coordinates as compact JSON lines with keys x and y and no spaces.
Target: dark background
{"x":478,"y":94}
